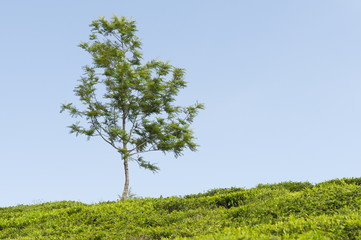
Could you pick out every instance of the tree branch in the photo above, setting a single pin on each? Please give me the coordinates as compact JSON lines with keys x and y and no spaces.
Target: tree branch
{"x":131,"y":130}
{"x":139,"y":146}
{"x":150,"y":149}
{"x":101,"y":135}
{"x":117,"y":37}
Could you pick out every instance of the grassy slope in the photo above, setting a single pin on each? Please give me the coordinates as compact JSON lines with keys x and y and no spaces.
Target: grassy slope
{"x":289,"y":210}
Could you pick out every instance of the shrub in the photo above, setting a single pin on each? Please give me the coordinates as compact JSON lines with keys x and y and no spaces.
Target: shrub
{"x":287,"y":210}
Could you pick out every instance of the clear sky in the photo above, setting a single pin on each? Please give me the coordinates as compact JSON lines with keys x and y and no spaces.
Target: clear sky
{"x":281,"y":81}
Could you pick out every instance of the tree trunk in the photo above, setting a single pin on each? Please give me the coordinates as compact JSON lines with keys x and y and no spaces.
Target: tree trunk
{"x":126,"y":184}
{"x":125,"y":159}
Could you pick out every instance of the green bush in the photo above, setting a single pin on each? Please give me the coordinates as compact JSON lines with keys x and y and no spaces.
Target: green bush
{"x":288,"y":210}
{"x":343,"y":181}
{"x":291,"y":186}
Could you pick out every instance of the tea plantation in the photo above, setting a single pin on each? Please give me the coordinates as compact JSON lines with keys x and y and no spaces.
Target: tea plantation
{"x":288,"y":210}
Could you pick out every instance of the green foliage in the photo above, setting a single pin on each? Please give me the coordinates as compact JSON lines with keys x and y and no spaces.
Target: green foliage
{"x":136,"y":108}
{"x":130,"y":104}
{"x":355,"y":181}
{"x":291,"y":186}
{"x":291,"y":210}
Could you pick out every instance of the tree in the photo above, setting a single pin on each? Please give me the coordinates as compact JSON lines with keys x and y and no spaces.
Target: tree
{"x":135,"y":113}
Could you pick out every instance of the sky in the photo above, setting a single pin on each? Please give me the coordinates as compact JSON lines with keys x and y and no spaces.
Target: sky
{"x":281,"y":81}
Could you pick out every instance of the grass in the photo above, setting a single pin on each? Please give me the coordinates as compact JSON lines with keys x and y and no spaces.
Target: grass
{"x":288,"y":210}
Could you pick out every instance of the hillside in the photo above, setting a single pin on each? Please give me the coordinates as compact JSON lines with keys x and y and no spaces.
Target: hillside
{"x":288,"y":210}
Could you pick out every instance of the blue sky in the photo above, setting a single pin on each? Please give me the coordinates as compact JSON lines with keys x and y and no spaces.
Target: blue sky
{"x":281,"y":81}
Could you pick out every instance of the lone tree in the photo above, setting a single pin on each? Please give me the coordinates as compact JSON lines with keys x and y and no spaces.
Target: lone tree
{"x":129,"y":104}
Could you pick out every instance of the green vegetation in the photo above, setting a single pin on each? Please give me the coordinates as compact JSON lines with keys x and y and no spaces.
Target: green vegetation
{"x":288,"y":210}
{"x":136,"y":112}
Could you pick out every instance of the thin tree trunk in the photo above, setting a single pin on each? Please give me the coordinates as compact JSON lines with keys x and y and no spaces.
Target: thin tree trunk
{"x":126,"y":184}
{"x":125,"y":159}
